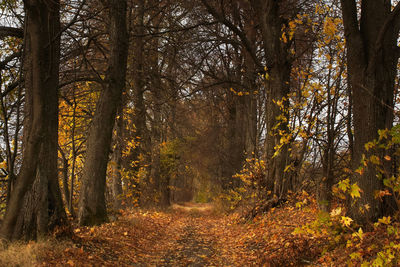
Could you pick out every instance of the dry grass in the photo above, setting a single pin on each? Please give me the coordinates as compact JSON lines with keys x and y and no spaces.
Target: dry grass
{"x":193,"y":207}
{"x":27,"y":254}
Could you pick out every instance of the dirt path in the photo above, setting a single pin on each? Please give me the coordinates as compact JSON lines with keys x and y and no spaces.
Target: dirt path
{"x":193,"y":246}
{"x":186,"y":235}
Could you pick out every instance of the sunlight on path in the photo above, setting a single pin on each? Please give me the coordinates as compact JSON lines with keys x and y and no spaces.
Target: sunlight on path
{"x":194,"y":245}
{"x":187,"y":234}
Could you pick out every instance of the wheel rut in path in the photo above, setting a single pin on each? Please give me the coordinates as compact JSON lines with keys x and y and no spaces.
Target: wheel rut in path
{"x":193,"y":246}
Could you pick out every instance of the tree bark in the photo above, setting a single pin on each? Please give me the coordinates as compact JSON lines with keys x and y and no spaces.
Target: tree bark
{"x":117,"y":161}
{"x":92,"y":204}
{"x":35,"y":210}
{"x":250,"y":77}
{"x":139,"y":119}
{"x":278,"y":68}
{"x":372,"y":57}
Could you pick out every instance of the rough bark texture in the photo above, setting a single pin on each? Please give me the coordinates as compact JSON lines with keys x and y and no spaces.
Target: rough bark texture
{"x":34,"y":210}
{"x":278,"y":69}
{"x":92,"y":204}
{"x":139,"y":119}
{"x":372,"y":56}
{"x":249,"y":80}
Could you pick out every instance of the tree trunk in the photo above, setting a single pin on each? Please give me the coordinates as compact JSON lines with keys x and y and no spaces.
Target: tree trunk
{"x":161,"y":187}
{"x":117,"y":161}
{"x":65,"y":167}
{"x":278,"y":69}
{"x":92,"y":204}
{"x":34,"y":211}
{"x":139,"y":119}
{"x":250,"y":77}
{"x":372,"y":56}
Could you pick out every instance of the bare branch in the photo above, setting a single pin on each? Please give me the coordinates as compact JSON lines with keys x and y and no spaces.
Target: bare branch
{"x":8,"y":59}
{"x":235,"y":29}
{"x":11,"y":32}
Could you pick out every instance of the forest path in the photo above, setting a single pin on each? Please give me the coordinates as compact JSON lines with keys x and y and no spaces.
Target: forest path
{"x":187,"y":234}
{"x":194,"y":244}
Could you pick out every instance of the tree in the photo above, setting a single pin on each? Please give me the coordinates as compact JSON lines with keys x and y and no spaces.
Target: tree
{"x":92,"y":204}
{"x":139,"y":119}
{"x":371,"y":33}
{"x":35,"y":204}
{"x":235,"y":46}
{"x":278,"y":66}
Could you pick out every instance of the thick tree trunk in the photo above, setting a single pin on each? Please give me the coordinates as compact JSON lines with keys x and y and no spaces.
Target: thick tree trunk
{"x":138,"y":79}
{"x":372,"y":57}
{"x":33,"y":211}
{"x":233,"y":158}
{"x":92,"y":204}
{"x":250,"y":77}
{"x":278,"y":70}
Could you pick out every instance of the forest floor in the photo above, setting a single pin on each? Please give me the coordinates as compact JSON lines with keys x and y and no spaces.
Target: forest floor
{"x":187,"y":234}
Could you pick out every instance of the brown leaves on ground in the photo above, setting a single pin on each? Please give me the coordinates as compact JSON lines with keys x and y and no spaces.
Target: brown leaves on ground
{"x":195,"y":235}
{"x":189,"y":234}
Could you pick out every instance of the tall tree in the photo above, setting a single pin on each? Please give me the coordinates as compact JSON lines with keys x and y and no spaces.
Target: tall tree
{"x":139,"y":119}
{"x":278,"y":67}
{"x":34,"y":210}
{"x":372,"y":54}
{"x":92,"y":204}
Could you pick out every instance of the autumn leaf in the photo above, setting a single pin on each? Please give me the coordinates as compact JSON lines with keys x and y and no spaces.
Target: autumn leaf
{"x":346,"y":221}
{"x":355,"y":191}
{"x":385,"y":220}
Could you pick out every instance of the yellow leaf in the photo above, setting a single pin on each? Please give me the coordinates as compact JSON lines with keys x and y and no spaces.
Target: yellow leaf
{"x":346,"y":221}
{"x":359,"y":234}
{"x":336,"y":212}
{"x":360,"y":171}
{"x":284,"y":39}
{"x":3,"y":165}
{"x":385,"y":220}
{"x":355,"y":190}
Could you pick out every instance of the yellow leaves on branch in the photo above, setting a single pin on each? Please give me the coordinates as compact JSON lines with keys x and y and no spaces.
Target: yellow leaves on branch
{"x":242,"y":93}
{"x":353,"y":189}
{"x":330,"y":27}
{"x":289,"y":30}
